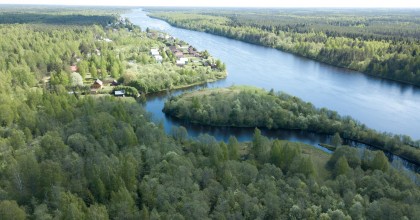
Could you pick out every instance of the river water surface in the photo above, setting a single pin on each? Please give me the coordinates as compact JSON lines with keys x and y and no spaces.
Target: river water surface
{"x":381,"y":104}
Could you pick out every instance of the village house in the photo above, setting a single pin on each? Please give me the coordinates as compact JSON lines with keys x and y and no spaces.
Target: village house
{"x":119,"y":93}
{"x":179,"y":54}
{"x":180,"y":63}
{"x":114,"y":83}
{"x":73,"y":68}
{"x":173,"y":49}
{"x":193,"y":52}
{"x":158,"y":58}
{"x":154,"y":52}
{"x":165,"y":36}
{"x":184,"y":59}
{"x":97,"y":84}
{"x":152,"y":35}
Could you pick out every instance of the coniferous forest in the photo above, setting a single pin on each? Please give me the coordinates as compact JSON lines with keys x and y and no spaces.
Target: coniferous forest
{"x":70,"y":152}
{"x":380,"y":42}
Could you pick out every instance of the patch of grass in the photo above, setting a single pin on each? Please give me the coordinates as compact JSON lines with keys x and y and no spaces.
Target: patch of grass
{"x":319,"y":158}
{"x":226,"y":91}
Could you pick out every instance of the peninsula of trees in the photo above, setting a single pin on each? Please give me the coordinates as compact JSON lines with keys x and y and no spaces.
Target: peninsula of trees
{"x":379,"y":42}
{"x":242,"y":106}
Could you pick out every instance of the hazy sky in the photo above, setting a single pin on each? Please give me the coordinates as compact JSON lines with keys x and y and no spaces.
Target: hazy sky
{"x":230,"y":3}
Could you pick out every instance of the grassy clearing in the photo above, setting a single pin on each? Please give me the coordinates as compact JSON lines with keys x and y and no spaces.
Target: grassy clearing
{"x":230,"y":91}
{"x":319,"y":158}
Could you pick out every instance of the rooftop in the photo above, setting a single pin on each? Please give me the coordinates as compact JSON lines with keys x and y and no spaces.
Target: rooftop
{"x":119,"y":92}
{"x":97,"y":81}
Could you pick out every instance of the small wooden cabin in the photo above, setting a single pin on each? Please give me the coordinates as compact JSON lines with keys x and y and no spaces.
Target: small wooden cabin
{"x":97,"y":84}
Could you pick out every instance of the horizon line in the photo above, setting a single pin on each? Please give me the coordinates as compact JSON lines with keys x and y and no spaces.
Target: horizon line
{"x":226,"y":6}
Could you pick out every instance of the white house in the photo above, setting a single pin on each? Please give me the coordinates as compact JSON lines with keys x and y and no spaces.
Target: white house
{"x":183,"y":59}
{"x":158,"y":58}
{"x":180,"y":63}
{"x":119,"y":93}
{"x":154,"y":52}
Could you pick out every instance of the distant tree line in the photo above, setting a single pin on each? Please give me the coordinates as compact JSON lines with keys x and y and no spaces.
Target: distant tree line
{"x":380,"y":43}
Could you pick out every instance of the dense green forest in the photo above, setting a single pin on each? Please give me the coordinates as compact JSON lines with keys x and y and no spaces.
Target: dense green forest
{"x":380,"y":42}
{"x":91,"y":158}
{"x":73,"y":156}
{"x":251,"y":107}
{"x":101,"y":46}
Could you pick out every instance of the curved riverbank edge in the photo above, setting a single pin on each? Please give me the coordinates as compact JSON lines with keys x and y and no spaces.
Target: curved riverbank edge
{"x":377,"y":147}
{"x":287,"y":51}
{"x":187,"y":86}
{"x":173,"y":109}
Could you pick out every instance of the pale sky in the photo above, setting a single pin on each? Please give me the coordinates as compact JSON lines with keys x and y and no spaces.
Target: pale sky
{"x":231,"y":3}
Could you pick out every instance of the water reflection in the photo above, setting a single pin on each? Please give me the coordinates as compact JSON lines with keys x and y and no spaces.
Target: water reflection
{"x":380,"y":104}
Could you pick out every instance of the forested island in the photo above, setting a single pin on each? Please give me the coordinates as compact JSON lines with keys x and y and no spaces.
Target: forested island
{"x":379,"y":42}
{"x":244,"y":106}
{"x":70,"y":151}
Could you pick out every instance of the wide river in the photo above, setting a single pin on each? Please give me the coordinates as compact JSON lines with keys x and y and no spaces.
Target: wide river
{"x":384,"y":105}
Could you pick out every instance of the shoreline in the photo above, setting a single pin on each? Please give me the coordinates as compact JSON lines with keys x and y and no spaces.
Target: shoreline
{"x":294,"y":129}
{"x":187,"y":86}
{"x":297,"y":54}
